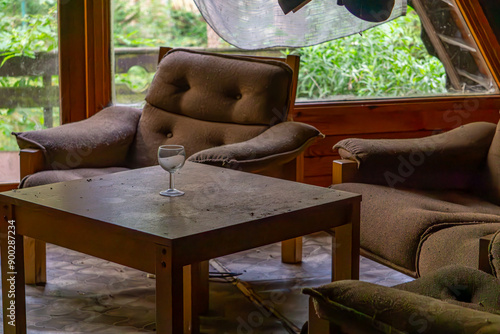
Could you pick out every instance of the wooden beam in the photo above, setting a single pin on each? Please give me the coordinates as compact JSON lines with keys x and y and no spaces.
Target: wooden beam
{"x":483,"y":34}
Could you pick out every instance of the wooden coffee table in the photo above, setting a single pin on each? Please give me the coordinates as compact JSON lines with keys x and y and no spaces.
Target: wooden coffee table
{"x":122,"y":218}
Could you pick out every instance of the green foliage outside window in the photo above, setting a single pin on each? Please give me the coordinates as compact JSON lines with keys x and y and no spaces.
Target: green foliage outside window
{"x":387,"y":61}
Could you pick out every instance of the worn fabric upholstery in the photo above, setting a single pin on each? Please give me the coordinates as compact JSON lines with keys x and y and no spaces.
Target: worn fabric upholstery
{"x":102,"y":140}
{"x":275,"y":146}
{"x":202,"y":100}
{"x":52,"y":176}
{"x":458,"y":244}
{"x":450,"y":160}
{"x":459,"y":285}
{"x":158,"y":127}
{"x":397,"y":223}
{"x":454,"y":300}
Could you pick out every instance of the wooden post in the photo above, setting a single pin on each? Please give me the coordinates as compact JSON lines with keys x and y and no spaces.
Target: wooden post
{"x":343,"y":171}
{"x":169,"y":292}
{"x":32,"y":161}
{"x":484,"y":257}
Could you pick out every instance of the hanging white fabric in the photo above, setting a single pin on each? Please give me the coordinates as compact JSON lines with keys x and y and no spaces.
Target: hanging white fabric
{"x":258,"y":24}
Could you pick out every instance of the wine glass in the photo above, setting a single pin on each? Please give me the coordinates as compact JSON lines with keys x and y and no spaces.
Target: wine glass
{"x":171,"y":158}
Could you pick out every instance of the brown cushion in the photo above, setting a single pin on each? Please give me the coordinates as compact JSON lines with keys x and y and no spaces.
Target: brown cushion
{"x":459,"y":285}
{"x":102,"y":140}
{"x":361,"y":307}
{"x":158,"y":127}
{"x":221,"y":88}
{"x":278,"y":145}
{"x":53,"y":176}
{"x":451,"y":160}
{"x":394,"y":221}
{"x":455,"y":244}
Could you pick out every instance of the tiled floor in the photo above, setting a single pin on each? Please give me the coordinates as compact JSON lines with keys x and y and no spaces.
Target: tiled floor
{"x":86,"y":294}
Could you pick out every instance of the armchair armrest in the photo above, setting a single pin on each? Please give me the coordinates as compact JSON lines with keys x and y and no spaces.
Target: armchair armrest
{"x":275,"y":146}
{"x":99,"y":141}
{"x":361,"y":307}
{"x":450,"y":160}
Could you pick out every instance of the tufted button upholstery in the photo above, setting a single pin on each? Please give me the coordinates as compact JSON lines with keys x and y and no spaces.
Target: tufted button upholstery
{"x":202,"y":100}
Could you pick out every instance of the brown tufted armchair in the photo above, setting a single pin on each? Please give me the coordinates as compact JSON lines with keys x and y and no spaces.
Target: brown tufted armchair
{"x":228,"y":111}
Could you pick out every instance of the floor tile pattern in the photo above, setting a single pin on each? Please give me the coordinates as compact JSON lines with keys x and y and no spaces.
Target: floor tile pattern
{"x":89,"y":295}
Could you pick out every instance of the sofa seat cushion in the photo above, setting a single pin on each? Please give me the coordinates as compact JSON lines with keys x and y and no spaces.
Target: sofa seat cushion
{"x":53,"y":176}
{"x":441,"y":248}
{"x":459,"y":285}
{"x":394,"y":222}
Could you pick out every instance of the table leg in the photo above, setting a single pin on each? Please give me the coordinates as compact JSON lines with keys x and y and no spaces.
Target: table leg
{"x":345,"y":248}
{"x":291,"y":250}
{"x":195,"y":295}
{"x":169,"y":293}
{"x":35,"y":261}
{"x":12,"y":257}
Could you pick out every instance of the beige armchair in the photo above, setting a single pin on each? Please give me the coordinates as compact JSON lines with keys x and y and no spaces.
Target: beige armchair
{"x":228,"y":111}
{"x":427,"y":202}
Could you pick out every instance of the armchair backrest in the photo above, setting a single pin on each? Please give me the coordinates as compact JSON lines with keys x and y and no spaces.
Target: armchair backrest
{"x":202,"y":100}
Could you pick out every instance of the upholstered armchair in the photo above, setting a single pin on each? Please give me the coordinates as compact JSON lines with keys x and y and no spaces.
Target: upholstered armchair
{"x":227,"y":111}
{"x":427,"y":202}
{"x":451,"y":300}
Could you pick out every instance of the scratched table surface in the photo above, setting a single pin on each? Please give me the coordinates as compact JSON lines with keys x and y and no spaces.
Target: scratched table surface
{"x":215,"y":198}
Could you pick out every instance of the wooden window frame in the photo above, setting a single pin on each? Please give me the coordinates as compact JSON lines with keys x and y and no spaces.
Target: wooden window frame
{"x":84,"y":58}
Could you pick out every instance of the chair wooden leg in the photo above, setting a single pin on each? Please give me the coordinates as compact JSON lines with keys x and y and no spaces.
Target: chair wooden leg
{"x":316,"y":325}
{"x":291,"y":251}
{"x":35,"y":261}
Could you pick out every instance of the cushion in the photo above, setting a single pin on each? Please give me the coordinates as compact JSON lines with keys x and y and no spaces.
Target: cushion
{"x":102,"y":140}
{"x":221,"y":88}
{"x":460,"y":285}
{"x":53,"y":176}
{"x":441,"y":248}
{"x":362,"y":307}
{"x":158,"y":127}
{"x":451,"y":160}
{"x":395,"y":221}
{"x":276,"y":146}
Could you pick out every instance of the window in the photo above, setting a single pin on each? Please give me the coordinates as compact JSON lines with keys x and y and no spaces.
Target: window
{"x":29,"y":93}
{"x":429,"y":51}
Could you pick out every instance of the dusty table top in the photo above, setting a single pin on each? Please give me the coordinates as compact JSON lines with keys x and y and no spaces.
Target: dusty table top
{"x":215,"y":198}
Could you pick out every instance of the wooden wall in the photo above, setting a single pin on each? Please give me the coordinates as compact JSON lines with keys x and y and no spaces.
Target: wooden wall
{"x":385,"y":119}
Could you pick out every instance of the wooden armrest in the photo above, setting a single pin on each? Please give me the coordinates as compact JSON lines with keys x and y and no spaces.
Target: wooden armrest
{"x":32,"y":161}
{"x":484,"y":257}
{"x":343,"y":171}
{"x":6,"y":186}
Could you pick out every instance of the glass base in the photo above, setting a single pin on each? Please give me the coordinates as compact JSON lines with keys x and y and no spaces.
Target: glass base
{"x":171,"y":192}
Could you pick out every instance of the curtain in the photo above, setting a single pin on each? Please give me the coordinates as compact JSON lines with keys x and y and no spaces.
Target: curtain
{"x":258,"y":24}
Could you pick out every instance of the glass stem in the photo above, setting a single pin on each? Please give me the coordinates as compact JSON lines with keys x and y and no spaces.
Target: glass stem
{"x":171,"y":180}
